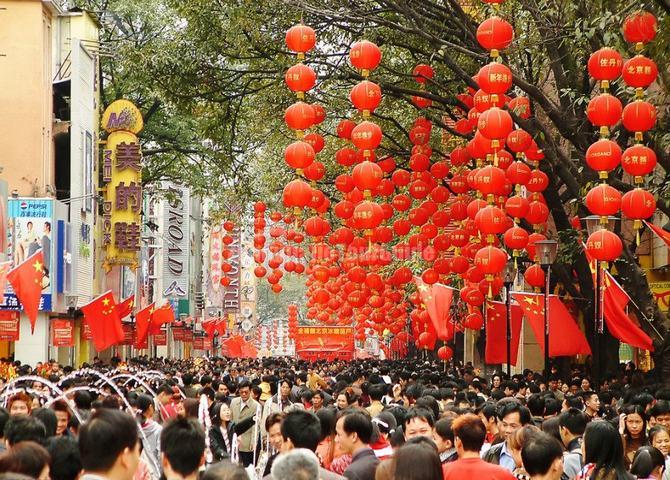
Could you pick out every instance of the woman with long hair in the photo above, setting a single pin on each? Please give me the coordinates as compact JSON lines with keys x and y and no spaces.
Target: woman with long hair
{"x":146,"y":410}
{"x":602,"y":451}
{"x":518,"y":440}
{"x":648,"y":464}
{"x":223,"y":431}
{"x":27,"y":458}
{"x":659,"y":437}
{"x":633,"y":430}
{"x":328,"y":449}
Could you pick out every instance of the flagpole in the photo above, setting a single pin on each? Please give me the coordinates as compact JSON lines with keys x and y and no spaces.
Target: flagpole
{"x":547,"y":369}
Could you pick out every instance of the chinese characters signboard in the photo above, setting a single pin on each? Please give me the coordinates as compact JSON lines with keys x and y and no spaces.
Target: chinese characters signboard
{"x":122,"y":175}
{"x":62,"y":333}
{"x":9,"y":325}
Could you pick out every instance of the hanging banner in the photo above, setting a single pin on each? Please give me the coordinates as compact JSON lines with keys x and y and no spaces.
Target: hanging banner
{"x":160,"y":339}
{"x":86,"y":332}
{"x":187,"y":335}
{"x":176,"y":238}
{"x":325,"y":342}
{"x":30,"y":226}
{"x":128,"y":334}
{"x":177,"y":333}
{"x":62,"y":333}
{"x":199,"y":343}
{"x":9,"y":325}
{"x":121,"y":174}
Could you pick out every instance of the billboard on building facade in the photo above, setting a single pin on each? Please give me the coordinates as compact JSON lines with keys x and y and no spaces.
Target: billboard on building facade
{"x":176,"y":240}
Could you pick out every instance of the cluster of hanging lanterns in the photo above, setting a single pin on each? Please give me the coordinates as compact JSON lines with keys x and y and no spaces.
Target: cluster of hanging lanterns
{"x":605,"y":111}
{"x":226,"y":252}
{"x":292,"y":320}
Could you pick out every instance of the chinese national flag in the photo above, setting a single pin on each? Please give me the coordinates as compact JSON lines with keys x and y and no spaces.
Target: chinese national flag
{"x":4,"y":268}
{"x":496,"y":333}
{"x":159,"y":317}
{"x":212,"y":325}
{"x":103,"y":320}
{"x":437,"y":299}
{"x":124,"y":308}
{"x":235,"y":345}
{"x":26,"y":279}
{"x":662,"y":234}
{"x":565,"y":337}
{"x":142,"y":322}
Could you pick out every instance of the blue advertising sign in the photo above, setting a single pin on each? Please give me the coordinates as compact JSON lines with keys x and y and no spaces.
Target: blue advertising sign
{"x":30,"y":229}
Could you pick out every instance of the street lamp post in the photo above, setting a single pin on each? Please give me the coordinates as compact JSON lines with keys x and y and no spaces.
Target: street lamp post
{"x":546,"y":255}
{"x":508,"y":281}
{"x":593,"y":224}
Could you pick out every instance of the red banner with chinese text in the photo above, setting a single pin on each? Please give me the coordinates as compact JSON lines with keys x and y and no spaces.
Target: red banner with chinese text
{"x":9,"y":325}
{"x":325,"y":342}
{"x":128,"y":334}
{"x":86,"y":332}
{"x":160,"y":339}
{"x":62,"y":333}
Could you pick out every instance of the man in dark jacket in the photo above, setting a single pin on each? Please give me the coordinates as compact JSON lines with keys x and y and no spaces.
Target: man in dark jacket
{"x":511,"y":416}
{"x":354,"y":431}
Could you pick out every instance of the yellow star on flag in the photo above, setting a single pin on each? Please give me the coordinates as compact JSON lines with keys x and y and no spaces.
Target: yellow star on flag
{"x":105,"y":301}
{"x":423,"y":288}
{"x":37,"y":266}
{"x":530,"y":301}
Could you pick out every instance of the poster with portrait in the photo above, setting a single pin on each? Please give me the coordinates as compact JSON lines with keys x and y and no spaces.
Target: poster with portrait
{"x":29,"y":230}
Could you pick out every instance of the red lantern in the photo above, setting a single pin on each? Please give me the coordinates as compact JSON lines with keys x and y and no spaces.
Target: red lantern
{"x":604,"y":245}
{"x":422,"y":73}
{"x":459,"y":156}
{"x":538,"y":181}
{"x":300,"y":38}
{"x":490,"y":180}
{"x":367,"y":216}
{"x":445,"y":353}
{"x":604,"y":110}
{"x":344,"y":129}
{"x":495,"y":123}
{"x":638,"y":204}
{"x":519,"y":140}
{"x":494,"y":33}
{"x":639,"y":116}
{"x":300,"y":78}
{"x":299,"y":155}
{"x":640,"y":27}
{"x":605,"y":64}
{"x":365,"y":56}
{"x":299,"y":116}
{"x":518,"y":173}
{"x":535,"y":276}
{"x":495,"y":78}
{"x":638,"y":160}
{"x":472,"y":296}
{"x":366,"y":135}
{"x":345,"y":156}
{"x":490,"y":260}
{"x":367,"y":175}
{"x":530,"y":248}
{"x":366,"y":96}
{"x":315,"y":172}
{"x":419,"y":135}
{"x":319,"y":113}
{"x":316,"y":141}
{"x":474,"y":321}
{"x":297,"y":194}
{"x":639,"y":72}
{"x":603,"y":156}
{"x":430,"y":276}
{"x":537,"y":214}
{"x":521,"y":107}
{"x":516,"y":238}
{"x":491,"y":220}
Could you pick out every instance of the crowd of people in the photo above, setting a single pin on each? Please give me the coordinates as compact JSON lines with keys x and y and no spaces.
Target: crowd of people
{"x":282,"y":419}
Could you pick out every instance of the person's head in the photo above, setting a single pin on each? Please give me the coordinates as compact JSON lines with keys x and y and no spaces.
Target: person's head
{"x":296,"y":464}
{"x":342,"y":401}
{"x":535,"y":404}
{"x":273,"y":427}
{"x":317,"y":399}
{"x":20,"y":404}
{"x":417,"y":461}
{"x":65,"y":461}
{"x":418,"y":422}
{"x":443,"y":434}
{"x":244,"y":390}
{"x":225,"y":414}
{"x":300,"y":429}
{"x":225,"y":470}
{"x":48,"y":418}
{"x":488,"y":413}
{"x":572,"y":424}
{"x":518,"y":439}
{"x":109,"y":444}
{"x":591,"y":402}
{"x":182,"y":446}
{"x":585,"y":384}
{"x":145,"y":406}
{"x":223,"y":389}
{"x":602,"y":446}
{"x":22,"y":428}
{"x":648,"y":462}
{"x":635,"y":421}
{"x":285,"y":388}
{"x":164,"y":394}
{"x":659,"y":437}
{"x":354,"y":431}
{"x":469,"y":433}
{"x":63,"y":415}
{"x":28,"y":458}
{"x":511,"y":417}
{"x":542,"y":456}
{"x":386,"y":423}
{"x":661,"y":413}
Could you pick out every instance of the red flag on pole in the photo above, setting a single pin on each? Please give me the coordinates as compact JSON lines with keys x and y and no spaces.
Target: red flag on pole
{"x":565,"y":337}
{"x":160,"y":317}
{"x":104,"y":321}
{"x":142,"y":322}
{"x":437,"y":300}
{"x":4,"y":269}
{"x":614,"y":303}
{"x":124,"y":308}
{"x":662,"y":234}
{"x":496,"y":333}
{"x":26,"y":280}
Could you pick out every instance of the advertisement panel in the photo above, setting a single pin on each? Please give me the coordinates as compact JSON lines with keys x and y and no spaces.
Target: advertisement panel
{"x":160,"y":339}
{"x":4,"y":220}
{"x":176,"y":237}
{"x":325,"y":343}
{"x":30,"y":229}
{"x":62,"y":333}
{"x":9,"y":325}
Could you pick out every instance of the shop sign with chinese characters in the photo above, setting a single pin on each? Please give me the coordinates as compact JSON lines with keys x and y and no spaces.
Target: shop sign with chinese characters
{"x":122,"y":176}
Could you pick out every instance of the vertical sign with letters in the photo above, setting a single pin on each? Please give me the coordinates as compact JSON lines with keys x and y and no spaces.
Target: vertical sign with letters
{"x":176,"y":240}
